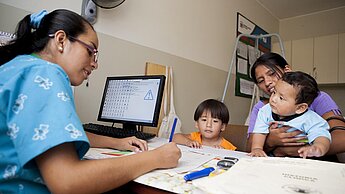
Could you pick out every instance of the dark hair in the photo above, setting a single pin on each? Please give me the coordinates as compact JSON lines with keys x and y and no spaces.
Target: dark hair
{"x":29,"y":40}
{"x":270,"y":60}
{"x":217,"y":108}
{"x":306,"y":85}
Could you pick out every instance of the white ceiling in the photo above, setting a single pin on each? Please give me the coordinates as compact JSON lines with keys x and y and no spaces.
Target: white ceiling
{"x":283,"y":9}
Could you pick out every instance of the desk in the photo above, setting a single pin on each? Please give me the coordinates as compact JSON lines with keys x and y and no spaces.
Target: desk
{"x":249,"y":175}
{"x":137,"y":188}
{"x":160,"y":181}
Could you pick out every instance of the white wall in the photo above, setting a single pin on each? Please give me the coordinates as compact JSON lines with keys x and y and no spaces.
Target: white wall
{"x":313,"y":25}
{"x":200,"y":30}
{"x":196,"y":37}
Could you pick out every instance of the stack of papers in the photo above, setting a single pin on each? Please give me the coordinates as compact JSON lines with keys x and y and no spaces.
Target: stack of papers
{"x":277,"y":175}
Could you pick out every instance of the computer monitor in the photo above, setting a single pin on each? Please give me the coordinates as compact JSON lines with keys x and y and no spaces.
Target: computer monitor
{"x":132,"y":100}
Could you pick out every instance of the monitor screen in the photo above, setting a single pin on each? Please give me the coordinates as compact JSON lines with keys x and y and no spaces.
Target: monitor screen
{"x":132,"y":100}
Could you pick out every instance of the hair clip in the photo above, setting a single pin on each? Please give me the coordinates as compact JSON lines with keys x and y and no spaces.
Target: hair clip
{"x":36,"y":18}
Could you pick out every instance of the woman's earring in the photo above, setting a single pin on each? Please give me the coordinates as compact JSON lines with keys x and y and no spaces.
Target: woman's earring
{"x":87,"y":82}
{"x":60,"y":49}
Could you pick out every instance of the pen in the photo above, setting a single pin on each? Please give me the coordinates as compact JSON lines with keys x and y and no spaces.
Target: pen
{"x":198,"y":174}
{"x":173,"y":130}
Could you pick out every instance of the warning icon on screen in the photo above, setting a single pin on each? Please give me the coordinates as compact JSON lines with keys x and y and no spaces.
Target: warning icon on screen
{"x":149,"y":95}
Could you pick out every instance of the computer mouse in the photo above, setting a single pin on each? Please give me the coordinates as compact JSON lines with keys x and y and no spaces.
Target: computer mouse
{"x":225,"y":163}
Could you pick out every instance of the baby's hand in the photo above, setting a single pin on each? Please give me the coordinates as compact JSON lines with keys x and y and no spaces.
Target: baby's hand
{"x":193,"y":144}
{"x":257,"y":152}
{"x":310,"y":151}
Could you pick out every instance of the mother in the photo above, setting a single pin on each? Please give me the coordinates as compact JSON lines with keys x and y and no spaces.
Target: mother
{"x":267,"y":69}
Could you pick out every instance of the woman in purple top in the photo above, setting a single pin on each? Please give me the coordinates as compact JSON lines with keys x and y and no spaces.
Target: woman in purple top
{"x":267,"y":69}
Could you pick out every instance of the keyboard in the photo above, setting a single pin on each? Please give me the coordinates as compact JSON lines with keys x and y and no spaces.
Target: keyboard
{"x":116,"y":132}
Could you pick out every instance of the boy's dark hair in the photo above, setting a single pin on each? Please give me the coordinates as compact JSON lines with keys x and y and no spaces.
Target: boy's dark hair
{"x":217,"y":109}
{"x":270,"y":60}
{"x":306,"y":85}
{"x":29,"y":40}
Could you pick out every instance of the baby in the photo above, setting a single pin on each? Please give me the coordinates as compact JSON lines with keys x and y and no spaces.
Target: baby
{"x":288,"y":105}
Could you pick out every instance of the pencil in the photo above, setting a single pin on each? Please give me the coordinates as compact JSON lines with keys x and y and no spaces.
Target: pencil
{"x":173,"y":130}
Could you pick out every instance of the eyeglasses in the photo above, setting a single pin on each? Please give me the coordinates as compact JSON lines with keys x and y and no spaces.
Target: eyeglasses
{"x":90,"y":49}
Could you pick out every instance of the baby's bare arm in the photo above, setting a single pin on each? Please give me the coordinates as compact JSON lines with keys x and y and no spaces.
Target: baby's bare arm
{"x":319,"y":148}
{"x":257,"y":145}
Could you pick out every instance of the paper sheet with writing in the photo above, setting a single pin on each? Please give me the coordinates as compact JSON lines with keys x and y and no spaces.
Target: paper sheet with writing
{"x":190,"y":160}
{"x":277,"y":175}
{"x":219,"y":152}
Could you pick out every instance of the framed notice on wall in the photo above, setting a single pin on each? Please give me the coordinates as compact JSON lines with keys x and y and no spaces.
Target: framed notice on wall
{"x":247,"y":53}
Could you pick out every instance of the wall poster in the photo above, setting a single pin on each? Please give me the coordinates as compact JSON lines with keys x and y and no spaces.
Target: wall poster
{"x":247,"y":54}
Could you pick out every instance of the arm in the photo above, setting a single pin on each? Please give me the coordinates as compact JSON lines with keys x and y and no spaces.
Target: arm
{"x":257,"y":145}
{"x":63,"y":172}
{"x":319,"y":148}
{"x":129,"y":143}
{"x":338,"y":136}
{"x":325,"y":106}
{"x":281,"y":142}
{"x":185,"y":139}
{"x":337,"y":144}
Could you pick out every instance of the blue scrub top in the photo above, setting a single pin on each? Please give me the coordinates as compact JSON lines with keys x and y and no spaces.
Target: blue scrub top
{"x":37,"y":112}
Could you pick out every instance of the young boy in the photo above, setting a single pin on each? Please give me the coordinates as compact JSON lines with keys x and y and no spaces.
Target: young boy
{"x":211,"y":118}
{"x":288,"y":105}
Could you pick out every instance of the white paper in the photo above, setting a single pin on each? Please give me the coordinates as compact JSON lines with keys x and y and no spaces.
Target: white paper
{"x":252,"y":55}
{"x":189,"y":160}
{"x":193,"y":158}
{"x":242,"y":65}
{"x":277,"y":175}
{"x":219,"y":152}
{"x":242,"y":49}
{"x":246,"y":87}
{"x":171,"y":181}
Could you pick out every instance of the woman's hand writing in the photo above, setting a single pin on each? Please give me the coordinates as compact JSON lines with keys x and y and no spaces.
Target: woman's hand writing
{"x":168,"y":155}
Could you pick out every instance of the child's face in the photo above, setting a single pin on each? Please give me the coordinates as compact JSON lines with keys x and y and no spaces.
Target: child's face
{"x":209,"y":127}
{"x":283,"y":99}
